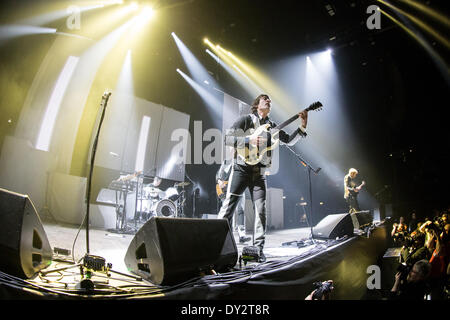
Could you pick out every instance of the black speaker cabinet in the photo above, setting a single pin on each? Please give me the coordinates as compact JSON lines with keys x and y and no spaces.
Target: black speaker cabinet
{"x":333,"y":226}
{"x":24,"y":245}
{"x":167,"y":251}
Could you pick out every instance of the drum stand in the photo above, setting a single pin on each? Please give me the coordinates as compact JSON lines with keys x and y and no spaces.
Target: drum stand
{"x":180,"y":204}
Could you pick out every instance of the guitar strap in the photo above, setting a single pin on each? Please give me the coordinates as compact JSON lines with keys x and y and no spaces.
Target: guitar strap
{"x":255,"y":120}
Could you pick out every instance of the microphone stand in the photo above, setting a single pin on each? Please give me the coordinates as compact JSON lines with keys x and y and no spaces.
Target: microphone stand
{"x":106,"y":95}
{"x":316,"y":171}
{"x":91,"y":263}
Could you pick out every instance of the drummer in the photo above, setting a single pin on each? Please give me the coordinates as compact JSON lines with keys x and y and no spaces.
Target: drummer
{"x":156,"y":181}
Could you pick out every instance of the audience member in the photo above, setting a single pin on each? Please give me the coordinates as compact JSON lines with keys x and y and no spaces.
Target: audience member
{"x":399,"y":230}
{"x":411,"y":285}
{"x":412,"y":225}
{"x":430,"y":242}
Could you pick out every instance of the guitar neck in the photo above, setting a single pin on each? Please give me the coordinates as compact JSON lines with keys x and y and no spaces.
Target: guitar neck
{"x":296,"y":116}
{"x":287,"y":122}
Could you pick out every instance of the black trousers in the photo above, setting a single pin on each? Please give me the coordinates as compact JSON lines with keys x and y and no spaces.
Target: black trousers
{"x":253,"y":178}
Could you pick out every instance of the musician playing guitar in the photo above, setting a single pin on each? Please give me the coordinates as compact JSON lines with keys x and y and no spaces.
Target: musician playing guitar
{"x":222,"y":176}
{"x":351,"y":190}
{"x":250,"y":173}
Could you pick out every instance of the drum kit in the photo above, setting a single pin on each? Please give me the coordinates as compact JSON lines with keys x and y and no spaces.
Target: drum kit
{"x":169,"y":203}
{"x":150,"y":201}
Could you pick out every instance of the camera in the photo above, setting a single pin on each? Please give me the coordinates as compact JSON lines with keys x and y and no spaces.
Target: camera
{"x":404,"y":269}
{"x":322,"y":288}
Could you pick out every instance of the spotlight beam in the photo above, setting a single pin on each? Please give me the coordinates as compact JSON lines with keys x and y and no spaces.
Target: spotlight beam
{"x":207,"y":97}
{"x":198,"y":72}
{"x":14,"y":30}
{"x":419,"y":23}
{"x":237,"y":74}
{"x":259,"y":79}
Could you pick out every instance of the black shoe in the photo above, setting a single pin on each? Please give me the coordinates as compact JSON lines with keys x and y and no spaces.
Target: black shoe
{"x":244,"y":239}
{"x":262,"y":257}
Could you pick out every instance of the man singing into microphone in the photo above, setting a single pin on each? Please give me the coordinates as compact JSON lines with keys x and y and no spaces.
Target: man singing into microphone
{"x":253,"y":177}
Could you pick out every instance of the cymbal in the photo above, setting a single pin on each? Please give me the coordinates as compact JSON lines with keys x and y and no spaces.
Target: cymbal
{"x":182,"y":184}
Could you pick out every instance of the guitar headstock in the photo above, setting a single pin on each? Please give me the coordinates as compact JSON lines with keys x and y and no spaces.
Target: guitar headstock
{"x":315,"y":106}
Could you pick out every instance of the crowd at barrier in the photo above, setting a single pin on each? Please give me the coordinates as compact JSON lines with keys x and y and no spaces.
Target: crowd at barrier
{"x":424,"y":271}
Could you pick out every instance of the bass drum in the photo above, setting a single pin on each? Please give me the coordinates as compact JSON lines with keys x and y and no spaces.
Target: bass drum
{"x":165,"y":208}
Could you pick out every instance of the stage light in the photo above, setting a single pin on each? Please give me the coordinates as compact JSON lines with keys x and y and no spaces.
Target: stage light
{"x":437,"y":59}
{"x":442,"y":39}
{"x":13,"y":31}
{"x":142,"y":143}
{"x":133,"y":6}
{"x":256,"y":78}
{"x":428,"y":11}
{"x":246,"y":83}
{"x":48,"y":122}
{"x":211,"y":101}
{"x":54,"y":13}
{"x":197,"y":70}
{"x":147,"y":12}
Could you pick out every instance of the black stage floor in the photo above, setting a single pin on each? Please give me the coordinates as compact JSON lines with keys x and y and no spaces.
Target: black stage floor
{"x":288,"y":274}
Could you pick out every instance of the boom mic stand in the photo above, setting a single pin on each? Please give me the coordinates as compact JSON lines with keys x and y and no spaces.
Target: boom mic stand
{"x":316,"y":171}
{"x":92,"y":263}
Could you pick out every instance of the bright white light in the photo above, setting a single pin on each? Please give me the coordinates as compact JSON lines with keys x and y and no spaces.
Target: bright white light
{"x":207,"y":97}
{"x":125,"y":83}
{"x":142,"y":144}
{"x":147,"y":12}
{"x":48,"y":122}
{"x":134,"y":6}
{"x":13,"y":31}
{"x":237,"y":74}
{"x":196,"y":69}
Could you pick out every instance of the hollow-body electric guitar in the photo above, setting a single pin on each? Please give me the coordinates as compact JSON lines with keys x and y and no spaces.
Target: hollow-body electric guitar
{"x":253,"y":154}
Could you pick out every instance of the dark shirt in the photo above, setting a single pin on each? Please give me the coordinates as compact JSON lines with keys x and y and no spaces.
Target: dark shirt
{"x":412,"y":225}
{"x":415,"y":255}
{"x":350,"y":185}
{"x":410,"y":291}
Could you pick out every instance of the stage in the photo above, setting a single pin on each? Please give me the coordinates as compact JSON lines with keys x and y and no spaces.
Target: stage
{"x":288,"y":274}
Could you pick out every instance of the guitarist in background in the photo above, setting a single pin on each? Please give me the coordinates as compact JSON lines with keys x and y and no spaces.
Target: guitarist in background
{"x":351,"y":190}
{"x":222,"y":177}
{"x":245,"y":176}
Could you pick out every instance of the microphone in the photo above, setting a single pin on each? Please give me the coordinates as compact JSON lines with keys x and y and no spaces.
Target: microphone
{"x":317,"y":171}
